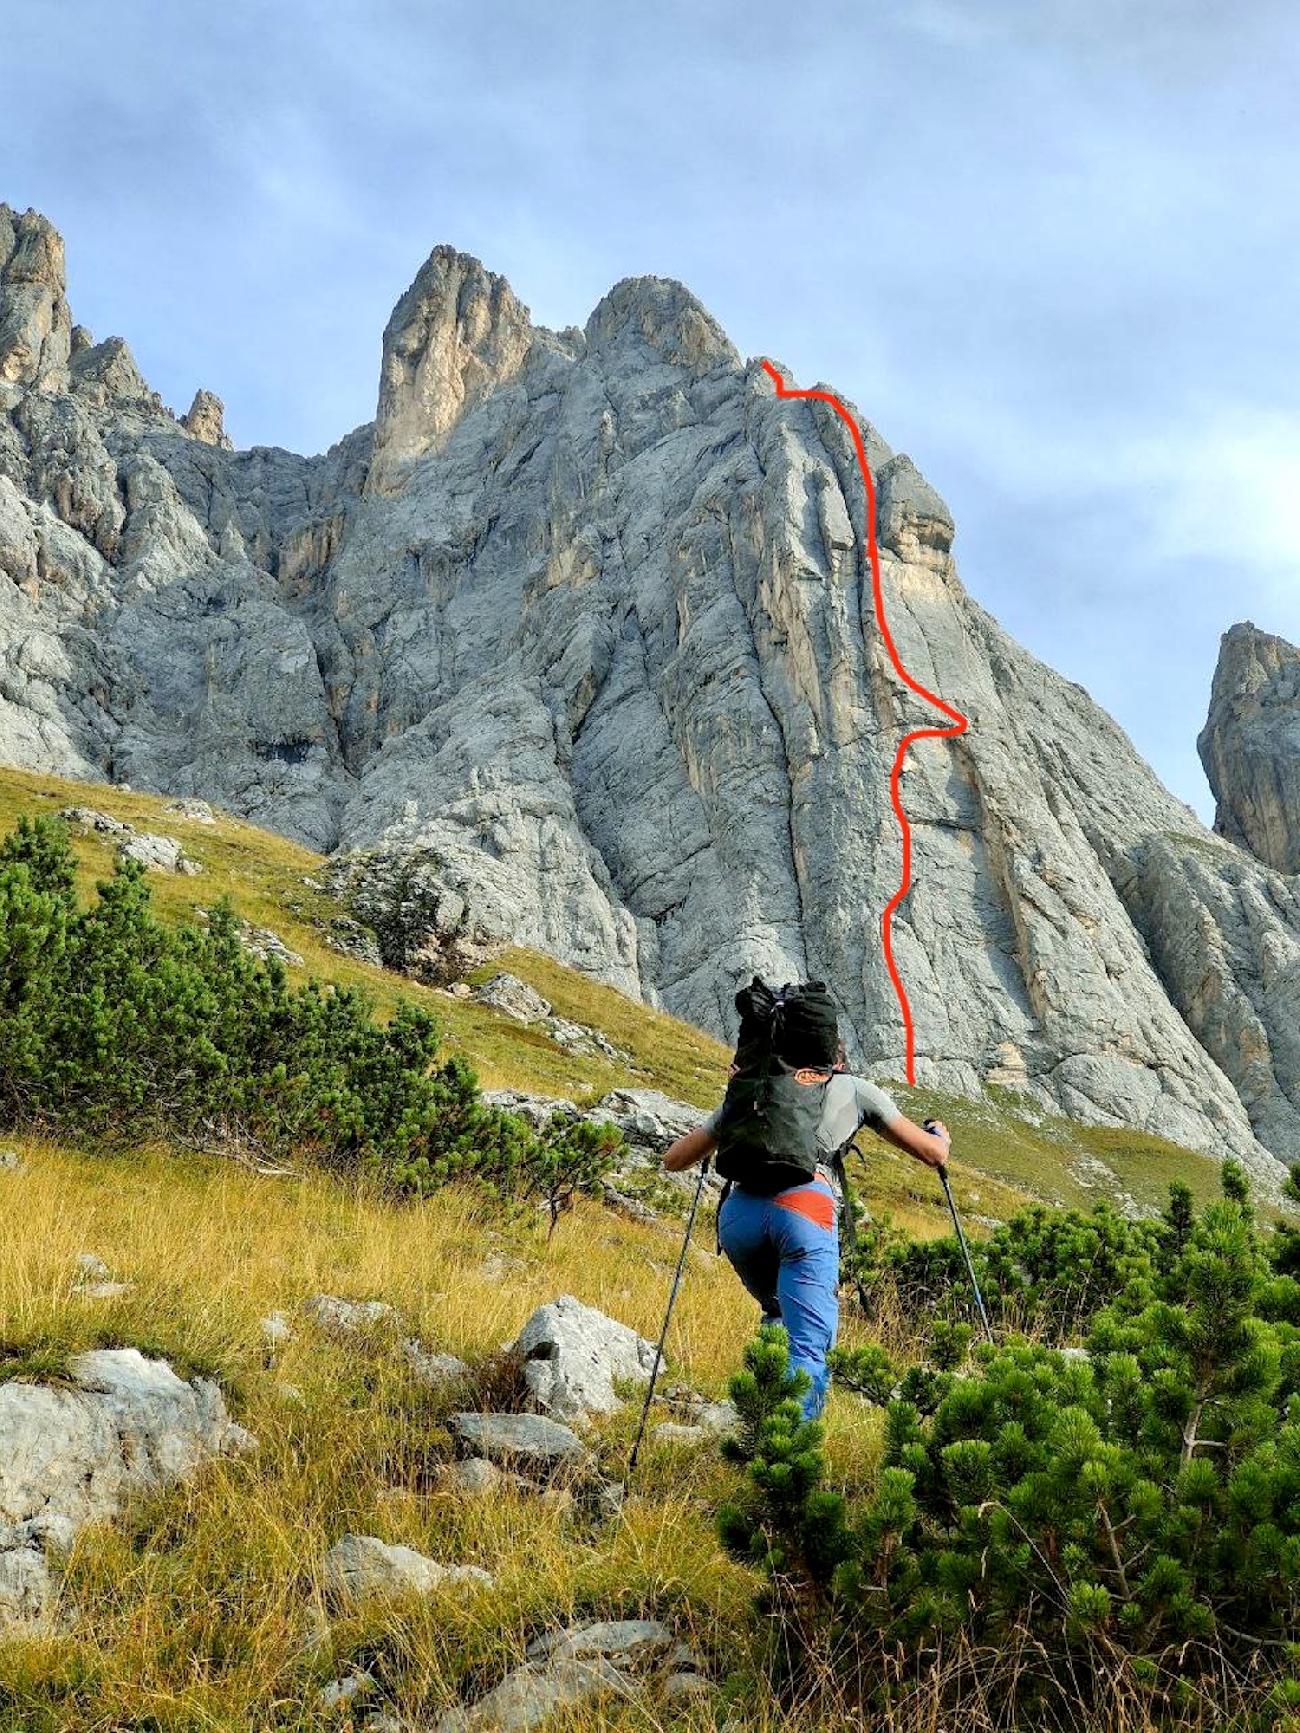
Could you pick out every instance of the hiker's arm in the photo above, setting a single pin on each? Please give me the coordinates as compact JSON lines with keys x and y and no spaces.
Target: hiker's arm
{"x":693,"y":1146}
{"x":929,"y":1147}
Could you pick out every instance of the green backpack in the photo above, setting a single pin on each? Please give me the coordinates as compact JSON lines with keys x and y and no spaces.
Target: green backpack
{"x":785,"y":1055}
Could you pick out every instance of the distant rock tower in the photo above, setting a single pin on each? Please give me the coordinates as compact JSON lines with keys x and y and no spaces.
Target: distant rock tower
{"x":1250,"y":745}
{"x":204,"y":420}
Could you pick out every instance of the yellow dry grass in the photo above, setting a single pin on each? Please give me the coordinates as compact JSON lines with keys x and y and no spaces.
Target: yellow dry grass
{"x":202,"y":1609}
{"x":197,"y":1609}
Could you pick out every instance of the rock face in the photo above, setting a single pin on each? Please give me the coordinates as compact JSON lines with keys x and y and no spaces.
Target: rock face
{"x":35,"y":328}
{"x":70,"y":1456}
{"x":1250,"y":745}
{"x":572,"y":648}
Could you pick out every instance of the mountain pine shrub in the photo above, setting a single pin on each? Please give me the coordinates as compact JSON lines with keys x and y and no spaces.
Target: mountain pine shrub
{"x":1046,"y":1272}
{"x":1128,"y":1511}
{"x":120,"y":1026}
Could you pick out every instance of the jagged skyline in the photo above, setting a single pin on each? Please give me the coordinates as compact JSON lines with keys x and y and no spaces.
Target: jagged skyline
{"x":1046,"y":252}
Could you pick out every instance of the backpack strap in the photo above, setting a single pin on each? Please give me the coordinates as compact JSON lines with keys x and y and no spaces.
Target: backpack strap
{"x":848,"y":1214}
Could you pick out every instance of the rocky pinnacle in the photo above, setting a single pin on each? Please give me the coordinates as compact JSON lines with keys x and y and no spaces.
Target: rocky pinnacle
{"x":1250,"y":745}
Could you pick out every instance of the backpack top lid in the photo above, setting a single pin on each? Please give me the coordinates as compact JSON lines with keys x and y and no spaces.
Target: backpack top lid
{"x":796,"y":1024}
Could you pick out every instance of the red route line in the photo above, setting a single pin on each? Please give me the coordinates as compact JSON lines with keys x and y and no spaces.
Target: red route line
{"x":960,"y":722}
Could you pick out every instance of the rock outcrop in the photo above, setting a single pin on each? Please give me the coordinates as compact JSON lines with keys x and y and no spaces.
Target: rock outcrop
{"x":205,"y":420}
{"x":573,"y":648}
{"x":1250,"y":745}
{"x":35,"y":326}
{"x":72,"y":1455}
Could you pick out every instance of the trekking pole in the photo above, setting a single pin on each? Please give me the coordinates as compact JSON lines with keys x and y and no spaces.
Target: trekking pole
{"x":672,"y":1301}
{"x":961,"y":1239}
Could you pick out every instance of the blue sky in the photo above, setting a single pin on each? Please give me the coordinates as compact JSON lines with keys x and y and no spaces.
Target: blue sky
{"x":1049,"y":248}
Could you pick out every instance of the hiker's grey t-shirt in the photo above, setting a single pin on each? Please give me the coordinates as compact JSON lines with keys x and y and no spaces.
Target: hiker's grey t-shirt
{"x":851,"y":1102}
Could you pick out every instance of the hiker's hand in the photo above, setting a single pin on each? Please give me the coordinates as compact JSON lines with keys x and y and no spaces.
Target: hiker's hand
{"x":927,"y":1143}
{"x":938,"y":1129}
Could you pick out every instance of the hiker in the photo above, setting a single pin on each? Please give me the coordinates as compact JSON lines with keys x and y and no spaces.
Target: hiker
{"x":789,"y":1112}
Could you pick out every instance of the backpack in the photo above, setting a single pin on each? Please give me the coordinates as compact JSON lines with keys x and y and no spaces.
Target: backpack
{"x":785,"y":1056}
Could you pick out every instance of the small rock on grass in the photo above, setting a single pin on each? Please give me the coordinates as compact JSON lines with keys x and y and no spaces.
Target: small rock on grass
{"x":568,"y":1669}
{"x":530,"y":1696}
{"x":435,"y":1370}
{"x":95,"y":1281}
{"x":276,"y":1330}
{"x":474,"y":1477}
{"x":362,"y":1565}
{"x":604,"y":1500}
{"x":686,"y":1687}
{"x":346,"y":1319}
{"x":530,"y":1443}
{"x":672,"y":1432}
{"x":197,"y":811}
{"x":11,"y":1162}
{"x":626,"y":1642}
{"x":352,"y":1689}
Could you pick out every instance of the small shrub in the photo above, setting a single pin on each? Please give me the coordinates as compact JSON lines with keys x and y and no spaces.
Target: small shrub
{"x":1133,"y":1509}
{"x":122,"y":1027}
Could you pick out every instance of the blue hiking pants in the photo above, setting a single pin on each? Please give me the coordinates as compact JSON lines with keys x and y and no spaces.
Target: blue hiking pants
{"x":786,"y":1250}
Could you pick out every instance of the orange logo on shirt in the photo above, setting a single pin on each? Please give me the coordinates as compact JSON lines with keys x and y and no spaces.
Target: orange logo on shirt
{"x":807,"y":1075}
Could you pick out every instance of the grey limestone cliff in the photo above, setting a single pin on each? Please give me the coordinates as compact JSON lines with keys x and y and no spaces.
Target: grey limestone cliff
{"x":1250,"y":745}
{"x":572,"y":645}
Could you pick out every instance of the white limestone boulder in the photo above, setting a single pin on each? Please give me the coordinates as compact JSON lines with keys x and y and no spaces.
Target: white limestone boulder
{"x":574,"y":1353}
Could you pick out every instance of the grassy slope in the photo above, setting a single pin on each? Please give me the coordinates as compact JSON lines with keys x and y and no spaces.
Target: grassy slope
{"x":1005,"y":1150}
{"x":195,"y":1609}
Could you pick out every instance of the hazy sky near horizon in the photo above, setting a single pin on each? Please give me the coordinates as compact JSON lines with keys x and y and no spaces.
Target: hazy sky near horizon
{"x":1050,"y":249}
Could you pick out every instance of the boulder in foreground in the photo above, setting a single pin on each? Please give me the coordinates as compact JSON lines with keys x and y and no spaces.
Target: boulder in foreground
{"x":572,"y":1355}
{"x":72,"y":1456}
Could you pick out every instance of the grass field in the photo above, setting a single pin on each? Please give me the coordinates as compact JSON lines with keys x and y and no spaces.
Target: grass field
{"x":1004,"y":1151}
{"x":202,"y":1609}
